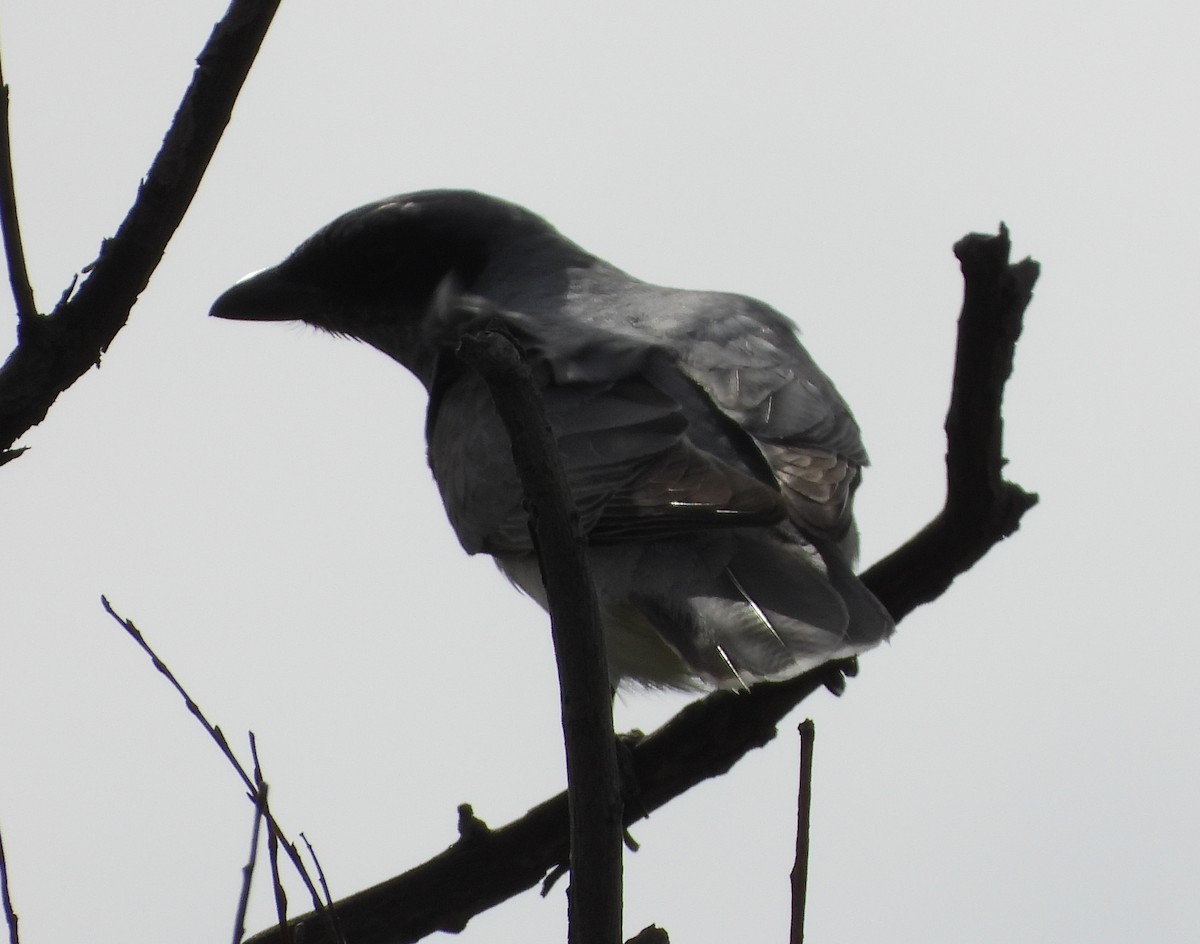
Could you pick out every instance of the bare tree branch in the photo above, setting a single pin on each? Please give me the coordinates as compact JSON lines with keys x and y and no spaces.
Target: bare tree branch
{"x":239,"y":918}
{"x":53,"y":352}
{"x":260,"y":799}
{"x":252,"y":783}
{"x":981,"y":507}
{"x":14,"y":251}
{"x":312,"y":854}
{"x":799,"y":876}
{"x":593,"y":787}
{"x":10,"y":915}
{"x":709,"y":736}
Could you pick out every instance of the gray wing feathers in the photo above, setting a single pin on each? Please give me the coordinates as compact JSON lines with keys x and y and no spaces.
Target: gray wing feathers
{"x":632,"y":470}
{"x":759,"y":374}
{"x":747,"y":356}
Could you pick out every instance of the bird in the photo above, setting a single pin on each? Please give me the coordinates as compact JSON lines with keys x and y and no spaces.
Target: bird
{"x":712,"y":463}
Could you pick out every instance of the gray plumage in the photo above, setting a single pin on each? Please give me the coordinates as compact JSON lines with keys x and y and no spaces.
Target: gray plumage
{"x":713,"y":463}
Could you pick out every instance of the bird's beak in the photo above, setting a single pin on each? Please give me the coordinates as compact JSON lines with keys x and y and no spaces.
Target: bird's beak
{"x":267,"y":295}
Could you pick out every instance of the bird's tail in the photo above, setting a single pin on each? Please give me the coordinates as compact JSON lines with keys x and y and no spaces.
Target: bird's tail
{"x":778,"y":608}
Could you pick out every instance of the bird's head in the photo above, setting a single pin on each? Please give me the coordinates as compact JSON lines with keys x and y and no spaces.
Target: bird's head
{"x":373,"y":273}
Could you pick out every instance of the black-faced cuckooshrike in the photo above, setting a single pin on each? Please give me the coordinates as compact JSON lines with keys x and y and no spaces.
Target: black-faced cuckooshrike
{"x":712,"y":462}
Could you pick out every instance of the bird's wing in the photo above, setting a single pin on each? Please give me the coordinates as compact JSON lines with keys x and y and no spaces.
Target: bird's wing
{"x":628,"y":447}
{"x":747,"y":358}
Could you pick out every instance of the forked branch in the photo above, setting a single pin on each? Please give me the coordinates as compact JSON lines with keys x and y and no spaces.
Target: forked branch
{"x":54,"y":351}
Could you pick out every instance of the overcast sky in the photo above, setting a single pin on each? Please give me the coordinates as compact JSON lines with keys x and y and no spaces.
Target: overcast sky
{"x":1020,"y":764}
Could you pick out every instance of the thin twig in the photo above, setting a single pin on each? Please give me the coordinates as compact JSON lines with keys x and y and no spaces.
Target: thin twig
{"x":593,"y":784}
{"x":14,"y":250}
{"x":10,"y":916}
{"x":239,"y":921}
{"x":799,"y":875}
{"x":272,"y":848}
{"x":312,"y":854}
{"x":216,"y":734}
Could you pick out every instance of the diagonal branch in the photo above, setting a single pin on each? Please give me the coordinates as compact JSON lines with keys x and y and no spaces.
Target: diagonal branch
{"x":53,"y":352}
{"x":709,"y":736}
{"x":254,"y":786}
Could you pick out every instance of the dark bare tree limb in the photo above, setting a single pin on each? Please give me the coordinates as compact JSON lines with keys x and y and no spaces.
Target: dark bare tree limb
{"x":485,"y":867}
{"x":10,"y":915}
{"x":54,"y":351}
{"x":593,"y":787}
{"x":14,"y":250}
{"x":981,"y":507}
{"x":799,"y":876}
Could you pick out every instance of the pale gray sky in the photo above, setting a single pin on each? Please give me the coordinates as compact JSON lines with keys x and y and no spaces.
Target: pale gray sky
{"x":1019,"y":764}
